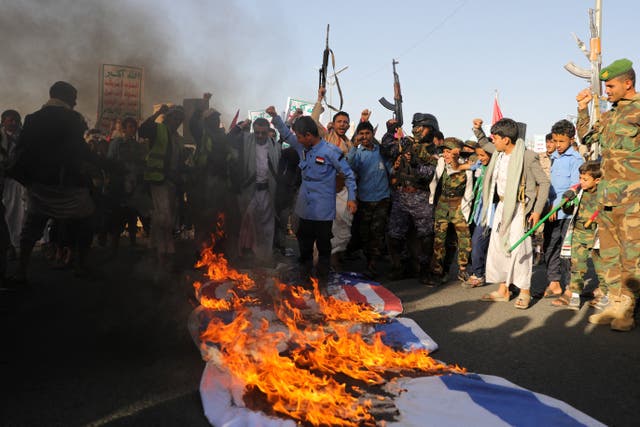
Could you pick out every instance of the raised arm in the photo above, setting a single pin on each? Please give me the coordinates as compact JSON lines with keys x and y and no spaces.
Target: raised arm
{"x":583,"y":125}
{"x":389,"y":145}
{"x":148,"y":128}
{"x":285,"y":133}
{"x":484,"y":142}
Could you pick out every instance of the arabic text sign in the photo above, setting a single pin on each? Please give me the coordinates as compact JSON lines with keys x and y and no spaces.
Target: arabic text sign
{"x":294,"y":104}
{"x":120,"y":94}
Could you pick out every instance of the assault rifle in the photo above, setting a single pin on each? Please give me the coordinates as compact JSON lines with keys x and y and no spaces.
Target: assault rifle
{"x":325,"y":63}
{"x":594,"y":55}
{"x":322,"y":83}
{"x":396,"y":106}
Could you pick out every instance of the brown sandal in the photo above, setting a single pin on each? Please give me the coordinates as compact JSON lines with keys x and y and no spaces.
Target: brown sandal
{"x":523,"y":301}
{"x":562,"y":301}
{"x":548,"y":293}
{"x":495,"y":296}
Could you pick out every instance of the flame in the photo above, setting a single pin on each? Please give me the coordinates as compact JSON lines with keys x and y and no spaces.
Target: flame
{"x":324,"y":344}
{"x":334,"y":309}
{"x":290,"y":390}
{"x":218,"y":269}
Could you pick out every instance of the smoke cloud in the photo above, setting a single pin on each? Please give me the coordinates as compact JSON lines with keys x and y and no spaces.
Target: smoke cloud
{"x":186,"y":48}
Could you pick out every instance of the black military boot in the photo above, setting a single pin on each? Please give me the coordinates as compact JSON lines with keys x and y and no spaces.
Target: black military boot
{"x":425,"y":274}
{"x":426,"y":254}
{"x":395,"y":251}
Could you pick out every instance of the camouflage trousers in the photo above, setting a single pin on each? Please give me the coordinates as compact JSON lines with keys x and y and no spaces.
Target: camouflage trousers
{"x":619,"y":230}
{"x":581,"y":251}
{"x":373,"y":223}
{"x":448,"y":212}
{"x":407,"y":208}
{"x":412,"y":209}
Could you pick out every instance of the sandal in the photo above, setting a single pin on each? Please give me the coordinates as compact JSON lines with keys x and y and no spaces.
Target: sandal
{"x":473,"y":282}
{"x":548,"y":293}
{"x":562,"y":301}
{"x":597,"y":297}
{"x":596,"y":300}
{"x":523,"y":301}
{"x":495,"y":296}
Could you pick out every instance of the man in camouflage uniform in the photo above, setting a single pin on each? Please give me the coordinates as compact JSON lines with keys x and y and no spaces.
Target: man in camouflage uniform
{"x":452,"y":207}
{"x":414,"y":163}
{"x":618,"y":133}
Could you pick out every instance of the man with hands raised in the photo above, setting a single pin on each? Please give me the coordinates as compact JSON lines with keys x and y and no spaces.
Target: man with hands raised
{"x":316,"y":204}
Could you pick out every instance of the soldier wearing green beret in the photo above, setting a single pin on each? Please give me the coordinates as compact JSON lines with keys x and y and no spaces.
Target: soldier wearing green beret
{"x":618,"y":133}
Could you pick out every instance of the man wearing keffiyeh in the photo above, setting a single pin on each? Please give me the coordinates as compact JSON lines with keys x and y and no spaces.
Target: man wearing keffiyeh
{"x":518,"y":187}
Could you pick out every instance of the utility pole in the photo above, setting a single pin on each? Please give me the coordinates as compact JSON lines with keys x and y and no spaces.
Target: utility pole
{"x":594,"y":55}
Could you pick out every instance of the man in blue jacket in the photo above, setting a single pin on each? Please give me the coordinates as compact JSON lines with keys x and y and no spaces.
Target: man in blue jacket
{"x":316,"y":204}
{"x":374,"y":193}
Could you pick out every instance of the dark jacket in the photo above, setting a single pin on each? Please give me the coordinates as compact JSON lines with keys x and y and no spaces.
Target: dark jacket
{"x":52,"y":149}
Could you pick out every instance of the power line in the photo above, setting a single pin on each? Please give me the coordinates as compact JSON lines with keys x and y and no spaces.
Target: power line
{"x":422,"y":40}
{"x":436,"y":28}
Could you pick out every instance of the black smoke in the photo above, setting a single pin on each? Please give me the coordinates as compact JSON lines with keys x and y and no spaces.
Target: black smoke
{"x":186,"y":48}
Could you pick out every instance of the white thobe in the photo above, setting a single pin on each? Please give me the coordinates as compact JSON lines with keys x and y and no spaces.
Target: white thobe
{"x":514,"y":268}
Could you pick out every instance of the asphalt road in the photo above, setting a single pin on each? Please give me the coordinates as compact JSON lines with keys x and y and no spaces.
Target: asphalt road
{"x":115,"y":351}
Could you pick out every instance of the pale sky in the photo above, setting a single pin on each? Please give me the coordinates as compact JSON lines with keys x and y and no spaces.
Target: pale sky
{"x":250,"y":54}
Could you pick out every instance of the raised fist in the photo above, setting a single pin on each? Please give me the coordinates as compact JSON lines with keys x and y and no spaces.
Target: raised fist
{"x":392,"y":125}
{"x":584,"y":98}
{"x":245,"y":124}
{"x":271,"y":110}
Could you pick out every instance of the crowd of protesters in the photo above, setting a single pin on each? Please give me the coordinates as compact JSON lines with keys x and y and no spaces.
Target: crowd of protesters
{"x":433,"y":205}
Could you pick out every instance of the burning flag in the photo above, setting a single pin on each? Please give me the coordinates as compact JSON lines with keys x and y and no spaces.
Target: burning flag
{"x":280,"y":355}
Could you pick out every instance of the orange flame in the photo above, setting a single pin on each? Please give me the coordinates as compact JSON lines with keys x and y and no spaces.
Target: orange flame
{"x":218,"y":269}
{"x":289,"y":389}
{"x":336,"y":310}
{"x":216,"y":264}
{"x":301,"y":383}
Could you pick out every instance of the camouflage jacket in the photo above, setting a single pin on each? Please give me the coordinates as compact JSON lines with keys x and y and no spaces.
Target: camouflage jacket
{"x":588,"y":204}
{"x":415,"y":173}
{"x":618,"y":132}
{"x":453,"y":185}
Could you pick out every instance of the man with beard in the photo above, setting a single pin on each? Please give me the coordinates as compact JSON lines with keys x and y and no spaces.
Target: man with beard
{"x":258,"y":158}
{"x":414,"y":163}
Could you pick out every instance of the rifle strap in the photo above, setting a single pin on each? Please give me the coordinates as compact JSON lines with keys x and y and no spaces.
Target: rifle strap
{"x":333,"y":64}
